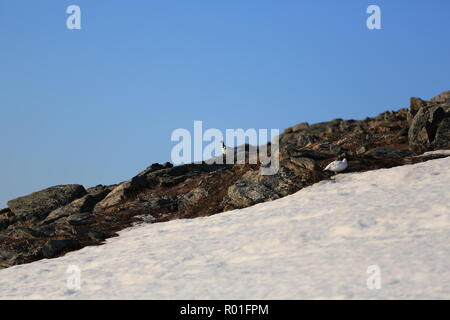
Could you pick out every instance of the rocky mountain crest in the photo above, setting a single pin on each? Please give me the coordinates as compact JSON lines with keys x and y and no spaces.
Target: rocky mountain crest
{"x":51,"y":222}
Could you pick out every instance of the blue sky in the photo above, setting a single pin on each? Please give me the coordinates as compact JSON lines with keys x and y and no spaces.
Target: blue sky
{"x":98,"y":105}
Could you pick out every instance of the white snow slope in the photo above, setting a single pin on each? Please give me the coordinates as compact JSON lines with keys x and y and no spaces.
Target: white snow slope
{"x":315,"y":244}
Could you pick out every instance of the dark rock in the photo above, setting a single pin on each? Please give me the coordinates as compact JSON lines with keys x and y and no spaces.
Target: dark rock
{"x":403,"y":132}
{"x":115,"y":197}
{"x":389,"y":153}
{"x":79,"y":219}
{"x":248,"y":191}
{"x":99,"y":189}
{"x":148,"y":202}
{"x":254,"y":188}
{"x":288,"y":130}
{"x":6,"y":255}
{"x":53,"y":248}
{"x":6,"y":218}
{"x":359,"y":129}
{"x":79,"y":231}
{"x":97,"y":236}
{"x":424,"y":127}
{"x":5,"y":212}
{"x":25,"y":232}
{"x":84,"y":204}
{"x":168,"y":165}
{"x":416,"y":104}
{"x":442,"y":138}
{"x":192,"y":198}
{"x":39,"y":204}
{"x":155,"y":167}
{"x":4,"y":223}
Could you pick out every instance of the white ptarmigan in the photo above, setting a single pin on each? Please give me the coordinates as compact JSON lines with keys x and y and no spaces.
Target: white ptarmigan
{"x":337,"y":166}
{"x":223,"y":148}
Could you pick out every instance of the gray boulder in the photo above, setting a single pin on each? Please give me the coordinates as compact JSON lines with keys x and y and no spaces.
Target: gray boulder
{"x":38,"y":205}
{"x":415,"y":105}
{"x":193,"y":197}
{"x":115,"y":197}
{"x":425,"y":125}
{"x":81,"y":205}
{"x":442,"y":138}
{"x":254,"y":188}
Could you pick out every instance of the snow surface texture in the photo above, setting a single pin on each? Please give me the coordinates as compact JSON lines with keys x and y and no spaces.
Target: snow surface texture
{"x":315,"y":244}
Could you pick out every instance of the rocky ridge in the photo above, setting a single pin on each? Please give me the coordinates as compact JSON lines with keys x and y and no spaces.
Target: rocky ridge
{"x":51,"y":222}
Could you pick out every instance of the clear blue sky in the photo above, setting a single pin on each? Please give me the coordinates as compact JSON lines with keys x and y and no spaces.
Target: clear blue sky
{"x":99,"y":104}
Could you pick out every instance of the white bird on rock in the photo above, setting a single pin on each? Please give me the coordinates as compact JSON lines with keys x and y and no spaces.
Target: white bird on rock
{"x":337,"y":166}
{"x":224,"y":148}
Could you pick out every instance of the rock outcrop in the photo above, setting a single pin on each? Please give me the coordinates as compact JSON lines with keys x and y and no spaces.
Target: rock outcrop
{"x":83,"y":204}
{"x":59,"y":219}
{"x":38,"y":204}
{"x":429,"y":127}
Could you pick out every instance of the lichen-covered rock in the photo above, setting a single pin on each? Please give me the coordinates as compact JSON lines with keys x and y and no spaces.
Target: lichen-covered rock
{"x":442,"y":138}
{"x":115,"y":197}
{"x":425,"y":125}
{"x":39,"y":204}
{"x":192,"y":198}
{"x":254,"y":188}
{"x":81,"y":205}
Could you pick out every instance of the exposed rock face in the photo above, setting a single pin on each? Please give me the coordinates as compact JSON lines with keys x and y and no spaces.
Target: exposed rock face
{"x":442,"y":138}
{"x":255,"y":188}
{"x":431,"y":118}
{"x":39,"y":204}
{"x":83,"y":204}
{"x":153,"y":176}
{"x":59,"y":219}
